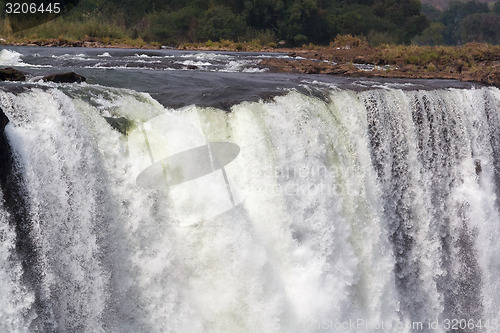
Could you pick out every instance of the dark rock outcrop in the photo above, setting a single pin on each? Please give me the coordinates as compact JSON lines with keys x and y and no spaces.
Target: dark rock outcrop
{"x":69,"y":77}
{"x":121,"y":124}
{"x":11,"y":74}
{"x":477,"y":165}
{"x":3,"y":120}
{"x":4,"y":148}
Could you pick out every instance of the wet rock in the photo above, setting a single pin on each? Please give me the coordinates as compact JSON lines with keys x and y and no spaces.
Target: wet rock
{"x":176,"y":66}
{"x":345,"y":69}
{"x":477,"y":164}
{"x":11,"y":74}
{"x":121,"y":124}
{"x":192,"y":67}
{"x":4,"y":148}
{"x":3,"y":120}
{"x":69,"y":77}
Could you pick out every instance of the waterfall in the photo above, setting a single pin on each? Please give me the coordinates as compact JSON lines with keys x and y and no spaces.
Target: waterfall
{"x":340,"y":211}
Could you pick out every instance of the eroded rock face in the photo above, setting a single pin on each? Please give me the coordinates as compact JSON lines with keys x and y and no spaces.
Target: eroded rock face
{"x":11,"y":74}
{"x":69,"y":77}
{"x":3,"y":120}
{"x":4,"y":147}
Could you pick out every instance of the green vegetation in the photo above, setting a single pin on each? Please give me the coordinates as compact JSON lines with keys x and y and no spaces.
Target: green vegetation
{"x":465,"y":56}
{"x":174,"y":22}
{"x":462,"y":22}
{"x":269,"y":22}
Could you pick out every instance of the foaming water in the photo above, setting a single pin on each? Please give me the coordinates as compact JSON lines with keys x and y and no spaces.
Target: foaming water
{"x":14,"y":58}
{"x":360,"y":211}
{"x":150,"y":60}
{"x":10,"y":58}
{"x":16,"y":299}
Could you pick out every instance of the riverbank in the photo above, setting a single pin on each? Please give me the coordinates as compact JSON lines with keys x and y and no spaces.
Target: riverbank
{"x":87,"y":42}
{"x":473,"y":62}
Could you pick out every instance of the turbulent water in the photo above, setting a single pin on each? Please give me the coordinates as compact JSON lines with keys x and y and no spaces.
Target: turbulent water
{"x":345,"y":209}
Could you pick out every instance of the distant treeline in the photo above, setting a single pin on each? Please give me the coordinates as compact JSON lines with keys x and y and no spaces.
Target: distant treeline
{"x":462,"y":22}
{"x":294,"y":21}
{"x":297,"y":22}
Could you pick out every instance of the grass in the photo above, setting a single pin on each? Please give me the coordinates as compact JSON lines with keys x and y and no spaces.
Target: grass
{"x":63,"y":31}
{"x":227,"y":45}
{"x":348,"y":42}
{"x":465,"y":55}
{"x":74,"y":30}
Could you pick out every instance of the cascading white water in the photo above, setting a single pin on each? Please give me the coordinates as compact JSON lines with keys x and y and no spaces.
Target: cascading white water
{"x":16,"y":300}
{"x":371,"y":211}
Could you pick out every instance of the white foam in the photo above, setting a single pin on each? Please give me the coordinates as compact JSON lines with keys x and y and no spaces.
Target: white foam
{"x":208,"y":56}
{"x":79,"y":56}
{"x":11,"y":58}
{"x":238,"y":65}
{"x":194,"y":63}
{"x":308,"y":250}
{"x":255,"y":70}
{"x":16,"y":300}
{"x":142,"y":55}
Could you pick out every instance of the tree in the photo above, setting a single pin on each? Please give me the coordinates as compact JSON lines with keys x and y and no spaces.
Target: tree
{"x":304,"y":22}
{"x":173,"y":27}
{"x":496,"y":7}
{"x":264,"y":14}
{"x":457,"y":12}
{"x":433,"y":35}
{"x":220,"y":23}
{"x":480,"y":27}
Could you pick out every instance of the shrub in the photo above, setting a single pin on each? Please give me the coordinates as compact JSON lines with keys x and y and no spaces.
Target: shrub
{"x":348,"y":41}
